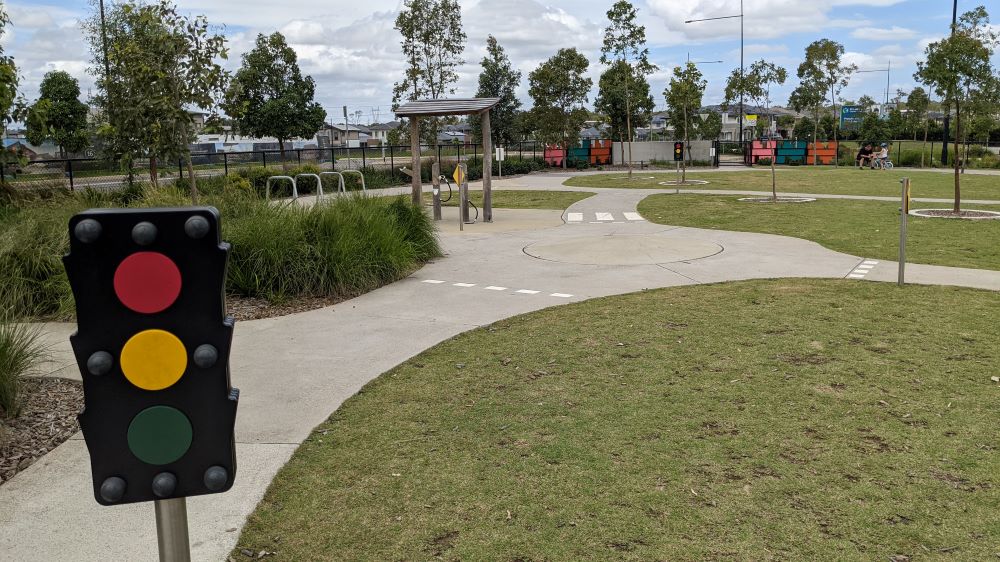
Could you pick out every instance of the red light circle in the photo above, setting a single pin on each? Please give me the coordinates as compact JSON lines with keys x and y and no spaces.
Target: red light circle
{"x":147,"y":282}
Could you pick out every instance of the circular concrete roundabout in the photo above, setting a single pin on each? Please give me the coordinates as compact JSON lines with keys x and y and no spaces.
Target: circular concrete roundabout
{"x":624,"y":249}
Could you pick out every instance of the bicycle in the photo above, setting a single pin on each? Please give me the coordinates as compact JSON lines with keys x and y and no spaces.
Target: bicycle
{"x":882,"y":164}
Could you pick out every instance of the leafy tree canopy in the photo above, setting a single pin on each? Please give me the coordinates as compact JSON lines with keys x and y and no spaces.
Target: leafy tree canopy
{"x":498,"y":79}
{"x":58,"y":115}
{"x":617,"y":82}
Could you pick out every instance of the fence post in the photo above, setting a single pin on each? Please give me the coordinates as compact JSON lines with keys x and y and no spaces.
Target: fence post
{"x":225,"y":163}
{"x":392,"y":162}
{"x":363,"y":146}
{"x":3,"y":173}
{"x":439,"y":152}
{"x":69,"y":169}
{"x":180,"y":169}
{"x":263,"y":156}
{"x":298,"y":156}
{"x":475,"y":151}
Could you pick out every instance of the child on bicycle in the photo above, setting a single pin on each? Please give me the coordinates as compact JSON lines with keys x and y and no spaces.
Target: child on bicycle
{"x":881,"y":156}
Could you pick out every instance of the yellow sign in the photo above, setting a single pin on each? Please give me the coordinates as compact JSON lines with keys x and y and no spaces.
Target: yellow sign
{"x":906,"y":208}
{"x":751,"y":118}
{"x":459,"y":175}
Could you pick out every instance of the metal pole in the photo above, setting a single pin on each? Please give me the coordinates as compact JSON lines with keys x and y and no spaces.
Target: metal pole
{"x":172,"y":530}
{"x":225,"y":162}
{"x":463,"y":199}
{"x":903,"y":212}
{"x":947,"y":112}
{"x":741,"y":71}
{"x":104,"y":42}
{"x":69,"y":169}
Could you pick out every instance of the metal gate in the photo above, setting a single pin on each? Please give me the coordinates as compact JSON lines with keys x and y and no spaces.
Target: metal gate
{"x":732,"y":153}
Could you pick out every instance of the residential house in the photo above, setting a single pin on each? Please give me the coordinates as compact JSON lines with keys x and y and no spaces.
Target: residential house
{"x":379,"y":132}
{"x":340,"y":135}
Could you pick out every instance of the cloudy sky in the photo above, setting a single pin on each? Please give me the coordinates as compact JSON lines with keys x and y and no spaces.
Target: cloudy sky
{"x":352,"y":50}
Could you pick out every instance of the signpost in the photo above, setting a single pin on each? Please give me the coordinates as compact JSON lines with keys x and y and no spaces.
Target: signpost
{"x":461,"y":179}
{"x":678,"y":158}
{"x":904,"y":211}
{"x":850,"y":116}
{"x":152,"y":344}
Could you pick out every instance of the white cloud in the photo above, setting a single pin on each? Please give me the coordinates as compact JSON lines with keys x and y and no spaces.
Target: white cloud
{"x":894,"y":33}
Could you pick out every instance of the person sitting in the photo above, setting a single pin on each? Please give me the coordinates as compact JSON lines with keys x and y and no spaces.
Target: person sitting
{"x":881,"y":156}
{"x":864,"y":156}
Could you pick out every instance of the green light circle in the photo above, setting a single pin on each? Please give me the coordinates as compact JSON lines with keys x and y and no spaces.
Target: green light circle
{"x":159,"y":435}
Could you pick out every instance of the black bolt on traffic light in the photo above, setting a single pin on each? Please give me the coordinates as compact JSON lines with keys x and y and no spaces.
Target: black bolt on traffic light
{"x":152,"y":343}
{"x":678,"y":151}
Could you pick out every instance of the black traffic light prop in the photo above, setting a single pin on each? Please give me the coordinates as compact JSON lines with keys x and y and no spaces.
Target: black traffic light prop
{"x":152,"y":343}
{"x":678,"y":151}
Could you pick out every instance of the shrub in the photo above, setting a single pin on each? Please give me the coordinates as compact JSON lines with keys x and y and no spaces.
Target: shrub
{"x":764,"y":161}
{"x":20,"y":352}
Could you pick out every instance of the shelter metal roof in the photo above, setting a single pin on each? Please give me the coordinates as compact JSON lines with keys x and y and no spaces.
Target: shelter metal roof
{"x":441,"y":107}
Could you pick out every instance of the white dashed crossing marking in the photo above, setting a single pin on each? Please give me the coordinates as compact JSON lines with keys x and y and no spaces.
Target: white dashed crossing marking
{"x":633,"y":216}
{"x":864,"y":268}
{"x":605,"y":216}
{"x":574,"y":217}
{"x":496,"y":288}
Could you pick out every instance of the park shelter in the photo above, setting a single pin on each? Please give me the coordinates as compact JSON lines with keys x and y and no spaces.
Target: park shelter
{"x":416,"y":109}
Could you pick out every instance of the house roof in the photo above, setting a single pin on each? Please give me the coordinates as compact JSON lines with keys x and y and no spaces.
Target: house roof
{"x":441,"y":107}
{"x":384,"y":126}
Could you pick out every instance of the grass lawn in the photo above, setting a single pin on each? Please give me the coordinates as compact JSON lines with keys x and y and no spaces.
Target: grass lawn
{"x":518,"y":199}
{"x":816,"y":180}
{"x":790,"y":419}
{"x":864,"y":228}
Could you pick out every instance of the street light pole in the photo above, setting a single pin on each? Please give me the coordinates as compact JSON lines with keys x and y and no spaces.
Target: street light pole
{"x":741,"y":56}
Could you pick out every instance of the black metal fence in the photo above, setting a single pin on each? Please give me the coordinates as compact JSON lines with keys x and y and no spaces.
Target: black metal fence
{"x":96,"y":173}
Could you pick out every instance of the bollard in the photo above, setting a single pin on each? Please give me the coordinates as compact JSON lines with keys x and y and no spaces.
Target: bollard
{"x":436,"y":191}
{"x":172,"y":530}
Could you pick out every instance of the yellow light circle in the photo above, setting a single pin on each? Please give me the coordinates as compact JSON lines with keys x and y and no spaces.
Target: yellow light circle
{"x":153,"y":359}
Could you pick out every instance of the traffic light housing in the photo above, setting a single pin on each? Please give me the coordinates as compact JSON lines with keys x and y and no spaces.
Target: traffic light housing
{"x":152,"y":344}
{"x":678,"y":151}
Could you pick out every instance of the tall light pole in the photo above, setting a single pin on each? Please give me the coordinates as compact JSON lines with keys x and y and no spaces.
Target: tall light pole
{"x":887,"y":70}
{"x":686,"y":143}
{"x":741,"y":55}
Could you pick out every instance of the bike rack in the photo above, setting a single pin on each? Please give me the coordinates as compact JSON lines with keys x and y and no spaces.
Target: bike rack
{"x":340,"y":177}
{"x":362,"y":176}
{"x":295,"y":189}
{"x":319,"y":183}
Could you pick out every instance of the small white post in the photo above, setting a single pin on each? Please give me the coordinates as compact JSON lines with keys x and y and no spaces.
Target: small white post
{"x":903,"y":212}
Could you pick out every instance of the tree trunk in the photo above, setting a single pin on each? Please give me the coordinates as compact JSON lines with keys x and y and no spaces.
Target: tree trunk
{"x":958,"y":180}
{"x":153,"y":173}
{"x":192,"y":180}
{"x":836,"y":144}
{"x":565,"y":152}
{"x":684,"y":153}
{"x":628,"y":124}
{"x":924,"y":146}
{"x":774,"y":175}
{"x":281,"y":150}
{"x":815,"y":141}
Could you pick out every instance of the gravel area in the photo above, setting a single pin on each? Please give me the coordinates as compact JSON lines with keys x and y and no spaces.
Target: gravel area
{"x":950,"y":214}
{"x":47,"y":419}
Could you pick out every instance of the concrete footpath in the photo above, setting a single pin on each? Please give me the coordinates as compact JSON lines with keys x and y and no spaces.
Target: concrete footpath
{"x":295,"y":370}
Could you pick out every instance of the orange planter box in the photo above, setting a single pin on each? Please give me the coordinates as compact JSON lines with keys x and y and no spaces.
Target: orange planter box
{"x":826,"y":152}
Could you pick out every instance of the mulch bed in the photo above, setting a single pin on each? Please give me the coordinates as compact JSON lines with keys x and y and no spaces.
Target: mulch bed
{"x":47,"y":419}
{"x":972,"y":214}
{"x":247,"y":308}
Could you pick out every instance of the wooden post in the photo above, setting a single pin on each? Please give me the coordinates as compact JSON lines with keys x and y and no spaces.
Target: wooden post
{"x":415,"y":158}
{"x":487,"y":168}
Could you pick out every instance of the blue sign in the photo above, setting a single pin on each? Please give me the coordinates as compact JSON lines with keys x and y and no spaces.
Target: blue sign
{"x":850,"y":116}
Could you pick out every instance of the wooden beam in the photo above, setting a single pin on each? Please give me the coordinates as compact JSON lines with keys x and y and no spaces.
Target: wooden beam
{"x":417,"y":184}
{"x":487,"y":167}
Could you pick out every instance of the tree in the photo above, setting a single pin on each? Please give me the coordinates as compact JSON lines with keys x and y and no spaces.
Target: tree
{"x":498,"y":80}
{"x":269,"y":97}
{"x":161,"y":65}
{"x":708,"y":126}
{"x":433,"y":42}
{"x":804,"y":129}
{"x":623,"y":95}
{"x":917,"y":103}
{"x":58,"y":114}
{"x":958,"y":68}
{"x":625,"y":44}
{"x":808,"y":95}
{"x":755,"y":84}
{"x":683,"y":96}
{"x":559,"y":90}
{"x":11,"y":108}
{"x":823,"y":68}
